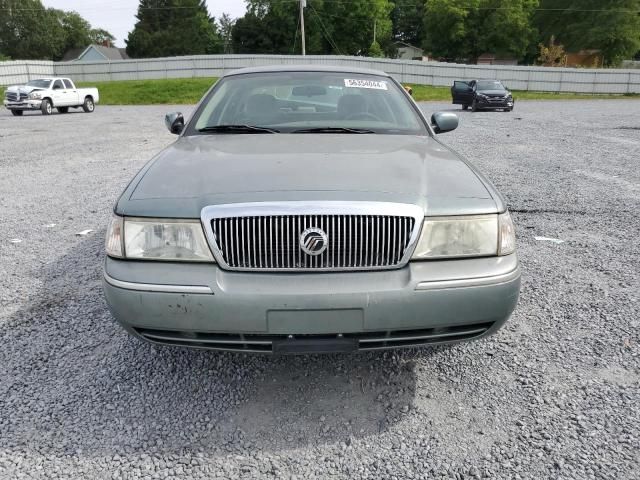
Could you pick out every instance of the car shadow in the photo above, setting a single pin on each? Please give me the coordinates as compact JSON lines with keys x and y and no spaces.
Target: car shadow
{"x":455,"y":110}
{"x":73,"y":382}
{"x":38,"y":113}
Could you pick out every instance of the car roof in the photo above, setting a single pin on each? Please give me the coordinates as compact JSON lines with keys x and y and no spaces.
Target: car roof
{"x":305,"y":68}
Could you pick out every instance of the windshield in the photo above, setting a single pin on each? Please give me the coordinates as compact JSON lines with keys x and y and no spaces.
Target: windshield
{"x":490,"y":85}
{"x":42,"y":83}
{"x":307,"y":102}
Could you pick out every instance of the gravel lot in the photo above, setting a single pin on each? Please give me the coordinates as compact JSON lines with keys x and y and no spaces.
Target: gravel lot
{"x":556,"y":394}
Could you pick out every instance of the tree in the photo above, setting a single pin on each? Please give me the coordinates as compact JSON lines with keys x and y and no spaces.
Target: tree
{"x":407,"y":18}
{"x":99,"y":36}
{"x":447,"y":28}
{"x":353,"y":24}
{"x":331,"y":27}
{"x":76,"y":29}
{"x":171,"y":28}
{"x":272,"y":26}
{"x":464,"y":29}
{"x":506,"y":29}
{"x":226,"y":24}
{"x":29,"y":31}
{"x":552,"y":55}
{"x":375,"y":50}
{"x":611,"y":26}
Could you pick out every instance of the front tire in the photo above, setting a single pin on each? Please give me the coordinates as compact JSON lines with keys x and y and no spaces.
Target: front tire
{"x":63,"y":109}
{"x":46,"y":107}
{"x":88,"y":106}
{"x":465,"y":107}
{"x":474,"y":105}
{"x":17,"y":113}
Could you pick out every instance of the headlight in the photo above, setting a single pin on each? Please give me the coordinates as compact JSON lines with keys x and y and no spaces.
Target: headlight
{"x":35,"y":96}
{"x":480,"y":95}
{"x":466,"y":236}
{"x":158,"y":239}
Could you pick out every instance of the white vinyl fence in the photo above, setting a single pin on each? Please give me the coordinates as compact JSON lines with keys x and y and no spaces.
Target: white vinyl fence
{"x":21,"y":71}
{"x":411,"y":71}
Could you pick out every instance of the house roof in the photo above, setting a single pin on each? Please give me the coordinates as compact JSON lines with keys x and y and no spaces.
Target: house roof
{"x":109,"y":53}
{"x":112,"y":53}
{"x":495,"y":56}
{"x":407,"y":45}
{"x":72,"y":54}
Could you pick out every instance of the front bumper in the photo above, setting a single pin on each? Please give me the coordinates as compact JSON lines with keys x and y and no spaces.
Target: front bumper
{"x":201,"y":305}
{"x":485,"y":103}
{"x":23,"y":105}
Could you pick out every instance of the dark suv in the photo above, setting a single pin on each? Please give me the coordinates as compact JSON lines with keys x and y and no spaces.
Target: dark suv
{"x":482,"y":95}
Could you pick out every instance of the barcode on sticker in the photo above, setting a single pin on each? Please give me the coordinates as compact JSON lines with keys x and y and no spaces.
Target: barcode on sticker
{"x":349,"y":82}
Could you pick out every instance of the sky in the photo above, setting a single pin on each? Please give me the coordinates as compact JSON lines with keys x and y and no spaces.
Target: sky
{"x":118,"y":16}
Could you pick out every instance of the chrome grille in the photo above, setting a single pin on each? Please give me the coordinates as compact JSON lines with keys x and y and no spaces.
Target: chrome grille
{"x":273,"y":241}
{"x":14,"y":96}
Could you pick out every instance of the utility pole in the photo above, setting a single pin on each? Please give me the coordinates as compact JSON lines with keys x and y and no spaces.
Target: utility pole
{"x":375,"y":21}
{"x":303,"y":3}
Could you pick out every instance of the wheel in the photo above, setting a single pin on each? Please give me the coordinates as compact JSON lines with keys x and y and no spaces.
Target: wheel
{"x":465,"y":107}
{"x":88,"y":106}
{"x":474,"y":105}
{"x":510,"y":109}
{"x":17,"y":113}
{"x":46,"y":107}
{"x":63,"y":109}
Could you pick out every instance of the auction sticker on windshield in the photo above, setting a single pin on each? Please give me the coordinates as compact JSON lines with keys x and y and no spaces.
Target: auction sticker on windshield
{"x":365,"y":84}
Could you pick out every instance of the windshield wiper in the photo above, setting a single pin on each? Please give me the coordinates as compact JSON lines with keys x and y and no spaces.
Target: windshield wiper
{"x":237,"y":129}
{"x":333,"y":130}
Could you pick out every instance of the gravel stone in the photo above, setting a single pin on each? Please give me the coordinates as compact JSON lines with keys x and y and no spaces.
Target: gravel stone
{"x":555,"y":394}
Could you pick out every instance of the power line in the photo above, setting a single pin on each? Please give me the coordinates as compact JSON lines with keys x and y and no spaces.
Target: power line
{"x":347,"y":2}
{"x":295,"y":38}
{"x":324,"y":30}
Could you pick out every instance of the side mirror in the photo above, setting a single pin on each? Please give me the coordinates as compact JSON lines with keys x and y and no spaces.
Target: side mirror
{"x":174,"y":122}
{"x":444,"y":122}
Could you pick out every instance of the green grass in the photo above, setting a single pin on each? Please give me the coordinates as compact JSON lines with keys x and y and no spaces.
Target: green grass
{"x":425,"y":93}
{"x":190,"y":90}
{"x":150,"y":92}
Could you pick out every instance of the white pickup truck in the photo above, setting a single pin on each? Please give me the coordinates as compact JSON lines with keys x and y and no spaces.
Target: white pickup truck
{"x":45,"y":94}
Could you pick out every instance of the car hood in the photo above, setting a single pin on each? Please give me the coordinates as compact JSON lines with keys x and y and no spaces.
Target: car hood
{"x":494,"y":92}
{"x":23,"y":88}
{"x":215,"y":169}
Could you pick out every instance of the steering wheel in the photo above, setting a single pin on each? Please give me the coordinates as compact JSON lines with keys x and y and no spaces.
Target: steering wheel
{"x":362,"y":115}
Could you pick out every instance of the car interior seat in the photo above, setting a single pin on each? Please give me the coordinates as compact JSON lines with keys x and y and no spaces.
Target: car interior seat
{"x":350,"y":105}
{"x":260,"y":106}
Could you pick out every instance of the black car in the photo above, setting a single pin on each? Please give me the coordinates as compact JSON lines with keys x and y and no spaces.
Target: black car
{"x":482,"y":95}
